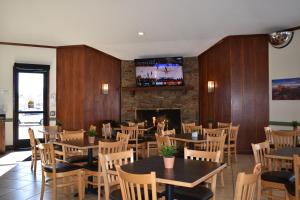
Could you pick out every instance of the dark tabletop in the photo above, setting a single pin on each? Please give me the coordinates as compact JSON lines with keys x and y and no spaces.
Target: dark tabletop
{"x":187,"y":173}
{"x":187,"y":137}
{"x":84,"y":144}
{"x":286,"y":152}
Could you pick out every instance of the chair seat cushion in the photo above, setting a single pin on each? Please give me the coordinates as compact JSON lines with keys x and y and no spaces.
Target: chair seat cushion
{"x":77,"y":159}
{"x":196,"y":193}
{"x":278,"y":176}
{"x":93,"y":167}
{"x":117,"y":195}
{"x":290,"y":187}
{"x":62,"y":167}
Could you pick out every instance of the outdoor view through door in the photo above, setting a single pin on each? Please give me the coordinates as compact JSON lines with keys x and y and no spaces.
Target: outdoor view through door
{"x":30,"y":101}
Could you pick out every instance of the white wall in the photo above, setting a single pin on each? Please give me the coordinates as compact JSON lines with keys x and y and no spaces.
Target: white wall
{"x":284,"y":63}
{"x":33,"y":55}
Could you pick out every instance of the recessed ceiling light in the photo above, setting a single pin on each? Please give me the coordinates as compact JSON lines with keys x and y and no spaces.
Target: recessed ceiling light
{"x":140,"y":33}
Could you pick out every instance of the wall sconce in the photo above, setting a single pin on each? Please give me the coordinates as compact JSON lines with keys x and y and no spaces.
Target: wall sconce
{"x":104,"y":88}
{"x":210,"y":86}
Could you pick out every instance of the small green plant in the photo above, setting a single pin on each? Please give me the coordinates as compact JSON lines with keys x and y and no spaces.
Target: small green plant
{"x":295,"y":124}
{"x":92,"y":133}
{"x":168,"y":151}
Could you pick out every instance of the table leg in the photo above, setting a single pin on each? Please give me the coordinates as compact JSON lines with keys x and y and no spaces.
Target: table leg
{"x":90,"y":162}
{"x":169,"y":192}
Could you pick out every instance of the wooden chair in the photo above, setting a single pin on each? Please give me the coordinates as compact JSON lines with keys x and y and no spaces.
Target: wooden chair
{"x":104,"y":148}
{"x":131,"y":124}
{"x":199,"y":192}
{"x":160,"y":127}
{"x":93,"y":127}
{"x":161,"y":142}
{"x":135,"y":186}
{"x":294,"y":187}
{"x":168,"y":132}
{"x":47,"y":137}
{"x":230,"y":145}
{"x":268,"y":133}
{"x":141,"y":124}
{"x":35,"y":155}
{"x":284,"y":139}
{"x":186,"y":127}
{"x":125,"y":138}
{"x":106,"y":130}
{"x":71,"y":154}
{"x":246,"y":185}
{"x":224,"y":124}
{"x":58,"y":170}
{"x":107,"y":168}
{"x":270,"y":180}
{"x":213,"y":132}
{"x":135,"y":141}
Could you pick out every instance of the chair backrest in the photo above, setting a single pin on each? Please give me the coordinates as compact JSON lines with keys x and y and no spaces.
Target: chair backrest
{"x":213,"y":132}
{"x":32,"y":139}
{"x":141,"y":124}
{"x":268,"y":133}
{"x":168,"y":132}
{"x":123,"y":137}
{"x":93,"y":127}
{"x":196,"y":129}
{"x":246,"y":185}
{"x":110,"y":147}
{"x":186,"y":127}
{"x":202,"y":155}
{"x":233,"y":133}
{"x":72,"y":135}
{"x":296,"y":162}
{"x":135,"y":186}
{"x":224,"y":124}
{"x":107,"y":166}
{"x":160,"y":127}
{"x":106,"y":131}
{"x":131,"y":124}
{"x":214,"y":144}
{"x":107,"y":125}
{"x":284,"y":139}
{"x":132,"y":131}
{"x":162,"y":141}
{"x":47,"y":155}
{"x":259,"y":152}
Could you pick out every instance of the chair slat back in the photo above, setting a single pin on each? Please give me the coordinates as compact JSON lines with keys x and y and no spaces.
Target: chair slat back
{"x":107,"y":165}
{"x":123,"y":137}
{"x":268,"y":133}
{"x":71,"y":136}
{"x":137,"y":186}
{"x":213,"y":132}
{"x":246,"y":186}
{"x":106,"y":130}
{"x":32,"y":139}
{"x":162,"y":141}
{"x":132,"y":131}
{"x":233,"y":134}
{"x":284,"y":139}
{"x":141,"y":124}
{"x":47,"y":155}
{"x":202,"y":155}
{"x":259,"y":152}
{"x":110,"y":147}
{"x":224,"y":124}
{"x":187,"y":127}
{"x":168,"y":132}
{"x":214,"y":144}
{"x":160,"y":127}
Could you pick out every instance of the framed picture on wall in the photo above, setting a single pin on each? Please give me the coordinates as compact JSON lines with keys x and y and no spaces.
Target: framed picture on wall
{"x":286,"y":89}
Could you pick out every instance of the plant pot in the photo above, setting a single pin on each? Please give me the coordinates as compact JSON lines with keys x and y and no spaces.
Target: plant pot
{"x":169,"y":162}
{"x":91,"y":140}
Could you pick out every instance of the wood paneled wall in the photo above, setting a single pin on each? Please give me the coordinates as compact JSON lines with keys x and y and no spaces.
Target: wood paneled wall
{"x":239,"y":67}
{"x":81,"y":70}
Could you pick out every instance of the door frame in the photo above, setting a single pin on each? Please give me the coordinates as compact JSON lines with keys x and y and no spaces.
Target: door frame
{"x":28,"y":68}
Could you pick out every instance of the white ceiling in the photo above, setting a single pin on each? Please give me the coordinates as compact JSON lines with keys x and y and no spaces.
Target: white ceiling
{"x":172,"y":27}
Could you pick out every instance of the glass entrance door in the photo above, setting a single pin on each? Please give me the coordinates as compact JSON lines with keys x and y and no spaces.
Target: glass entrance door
{"x":31,"y":103}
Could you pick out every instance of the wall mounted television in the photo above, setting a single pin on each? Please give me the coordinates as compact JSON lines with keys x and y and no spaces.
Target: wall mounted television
{"x":159,"y":71}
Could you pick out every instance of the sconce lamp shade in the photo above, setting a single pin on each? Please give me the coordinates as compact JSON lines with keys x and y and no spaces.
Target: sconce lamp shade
{"x":210,"y":86}
{"x":105,"y":88}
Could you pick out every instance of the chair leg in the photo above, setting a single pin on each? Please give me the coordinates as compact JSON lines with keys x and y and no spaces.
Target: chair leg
{"x":35,"y":163}
{"x":80,"y":192}
{"x":31,"y":162}
{"x":43,"y":187}
{"x":222,"y":178}
{"x":235,"y":155}
{"x":148,"y":150}
{"x":54,"y":188}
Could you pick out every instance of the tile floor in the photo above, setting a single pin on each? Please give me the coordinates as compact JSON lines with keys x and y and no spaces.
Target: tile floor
{"x":19,"y":183}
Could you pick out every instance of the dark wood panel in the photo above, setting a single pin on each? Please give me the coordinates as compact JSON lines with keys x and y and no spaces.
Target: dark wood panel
{"x":239,"y":66}
{"x":81,"y":71}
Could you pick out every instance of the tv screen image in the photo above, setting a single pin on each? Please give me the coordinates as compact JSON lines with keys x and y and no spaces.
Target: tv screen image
{"x":159,"y":72}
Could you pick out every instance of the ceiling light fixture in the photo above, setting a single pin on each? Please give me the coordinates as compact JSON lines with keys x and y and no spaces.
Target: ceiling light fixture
{"x":140,"y":33}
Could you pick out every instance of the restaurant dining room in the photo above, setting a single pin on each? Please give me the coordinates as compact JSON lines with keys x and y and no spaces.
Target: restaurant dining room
{"x":150,"y":100}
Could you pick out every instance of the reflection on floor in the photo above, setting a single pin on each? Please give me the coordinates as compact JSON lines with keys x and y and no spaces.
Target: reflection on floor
{"x":19,"y":183}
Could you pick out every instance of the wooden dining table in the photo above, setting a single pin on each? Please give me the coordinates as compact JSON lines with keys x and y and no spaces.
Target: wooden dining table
{"x":185,"y":173}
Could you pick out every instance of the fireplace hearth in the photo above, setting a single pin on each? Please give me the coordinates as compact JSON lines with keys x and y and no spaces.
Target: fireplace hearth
{"x":172,"y":117}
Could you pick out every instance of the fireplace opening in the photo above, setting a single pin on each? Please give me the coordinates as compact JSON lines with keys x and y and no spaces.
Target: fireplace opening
{"x":172,"y":117}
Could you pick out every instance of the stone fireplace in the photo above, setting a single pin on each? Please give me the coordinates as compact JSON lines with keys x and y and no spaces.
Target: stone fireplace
{"x":172,"y":117}
{"x":186,"y":102}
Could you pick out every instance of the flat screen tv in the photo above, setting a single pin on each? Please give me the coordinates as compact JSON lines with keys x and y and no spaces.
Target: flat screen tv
{"x":159,"y":71}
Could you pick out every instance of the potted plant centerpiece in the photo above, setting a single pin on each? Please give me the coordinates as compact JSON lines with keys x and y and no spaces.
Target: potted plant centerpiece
{"x":168,"y":153}
{"x":92,"y":133}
